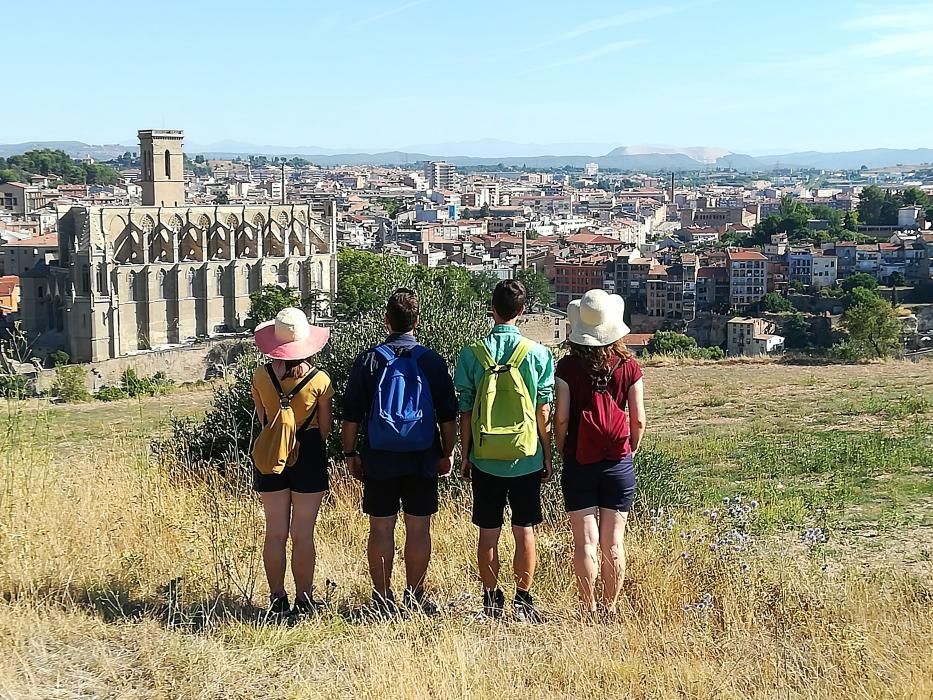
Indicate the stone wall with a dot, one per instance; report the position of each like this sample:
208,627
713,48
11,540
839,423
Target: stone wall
183,364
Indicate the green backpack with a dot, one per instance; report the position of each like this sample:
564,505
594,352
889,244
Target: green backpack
504,423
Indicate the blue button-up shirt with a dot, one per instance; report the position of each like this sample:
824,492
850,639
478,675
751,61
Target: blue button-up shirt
537,369
358,403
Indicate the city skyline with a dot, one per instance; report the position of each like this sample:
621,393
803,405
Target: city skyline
371,76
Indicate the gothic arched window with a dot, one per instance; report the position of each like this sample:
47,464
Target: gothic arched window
163,285
219,281
191,283
168,164
131,285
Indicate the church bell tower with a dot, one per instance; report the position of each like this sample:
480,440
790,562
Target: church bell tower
163,167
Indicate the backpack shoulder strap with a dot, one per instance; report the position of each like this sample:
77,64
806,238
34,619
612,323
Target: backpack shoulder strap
482,355
276,384
520,353
303,383
417,352
386,352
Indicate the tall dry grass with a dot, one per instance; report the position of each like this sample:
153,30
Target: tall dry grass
121,581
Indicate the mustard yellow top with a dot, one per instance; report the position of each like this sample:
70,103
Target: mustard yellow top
265,395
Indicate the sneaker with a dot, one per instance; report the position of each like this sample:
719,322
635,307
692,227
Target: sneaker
493,604
278,607
525,610
307,605
418,601
385,606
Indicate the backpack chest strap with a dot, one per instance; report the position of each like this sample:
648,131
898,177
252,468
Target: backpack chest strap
285,400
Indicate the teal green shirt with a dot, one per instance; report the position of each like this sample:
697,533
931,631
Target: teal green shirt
537,370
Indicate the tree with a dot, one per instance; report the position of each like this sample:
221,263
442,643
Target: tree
222,198
537,287
857,296
851,222
896,280
833,216
671,343
484,211
796,332
915,196
391,206
871,204
265,304
878,207
860,280
873,328
56,163
774,303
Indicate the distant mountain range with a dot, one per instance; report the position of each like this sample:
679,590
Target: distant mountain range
493,152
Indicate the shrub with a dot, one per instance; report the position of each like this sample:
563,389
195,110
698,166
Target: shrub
135,386
70,384
15,386
110,393
59,358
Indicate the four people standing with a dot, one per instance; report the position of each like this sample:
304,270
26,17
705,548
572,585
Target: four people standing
399,433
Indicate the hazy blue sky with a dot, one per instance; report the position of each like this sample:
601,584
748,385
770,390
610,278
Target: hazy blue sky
742,74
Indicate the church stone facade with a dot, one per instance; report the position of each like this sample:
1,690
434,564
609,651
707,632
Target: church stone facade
135,278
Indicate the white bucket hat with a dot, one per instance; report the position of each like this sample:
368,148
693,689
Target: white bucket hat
289,336
596,319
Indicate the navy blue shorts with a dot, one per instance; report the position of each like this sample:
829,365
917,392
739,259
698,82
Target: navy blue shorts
307,475
415,494
492,493
609,485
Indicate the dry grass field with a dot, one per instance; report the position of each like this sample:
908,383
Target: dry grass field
121,580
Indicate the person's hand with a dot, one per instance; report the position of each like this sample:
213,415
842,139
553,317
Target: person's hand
443,466
548,470
465,470
355,466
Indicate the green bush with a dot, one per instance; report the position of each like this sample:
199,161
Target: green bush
14,386
135,386
110,393
59,358
70,384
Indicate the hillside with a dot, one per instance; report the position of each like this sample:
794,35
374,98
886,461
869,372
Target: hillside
645,158
119,578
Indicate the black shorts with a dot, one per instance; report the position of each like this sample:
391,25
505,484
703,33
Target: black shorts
416,494
307,475
609,485
491,493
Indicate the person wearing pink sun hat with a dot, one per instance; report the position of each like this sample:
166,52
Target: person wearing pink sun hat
291,499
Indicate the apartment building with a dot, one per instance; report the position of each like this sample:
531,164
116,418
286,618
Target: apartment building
22,200
631,275
747,276
573,277
752,337
439,174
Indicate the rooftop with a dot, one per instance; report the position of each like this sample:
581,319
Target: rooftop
49,240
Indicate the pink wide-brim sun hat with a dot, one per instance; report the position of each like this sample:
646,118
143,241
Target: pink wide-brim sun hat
289,336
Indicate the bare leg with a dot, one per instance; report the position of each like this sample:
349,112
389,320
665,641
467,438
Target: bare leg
277,507
585,554
305,507
525,557
488,557
417,549
611,542
381,552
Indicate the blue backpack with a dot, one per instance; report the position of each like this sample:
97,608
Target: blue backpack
402,415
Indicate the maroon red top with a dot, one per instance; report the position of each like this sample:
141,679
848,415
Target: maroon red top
576,373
